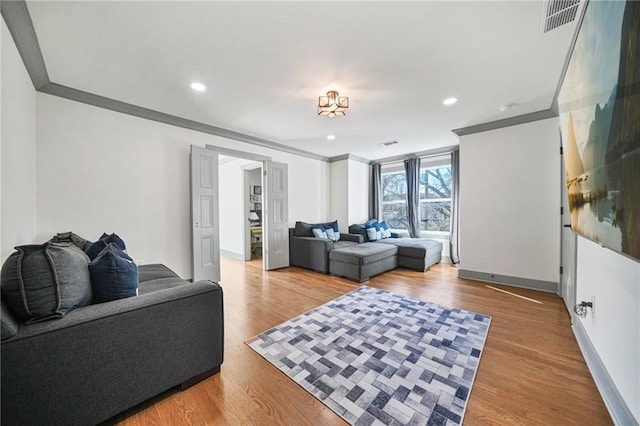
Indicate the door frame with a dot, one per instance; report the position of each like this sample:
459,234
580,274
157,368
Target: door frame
246,232
263,159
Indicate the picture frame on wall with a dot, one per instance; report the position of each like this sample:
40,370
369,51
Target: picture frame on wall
257,189
258,206
254,198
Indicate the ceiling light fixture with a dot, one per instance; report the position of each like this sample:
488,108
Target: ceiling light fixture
198,87
331,137
332,104
505,107
450,101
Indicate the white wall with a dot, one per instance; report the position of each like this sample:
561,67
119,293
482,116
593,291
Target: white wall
18,150
359,188
614,324
339,194
99,170
510,201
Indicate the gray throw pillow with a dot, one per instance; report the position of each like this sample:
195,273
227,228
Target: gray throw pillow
41,282
70,237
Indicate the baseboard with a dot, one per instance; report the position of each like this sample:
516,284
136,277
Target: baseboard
618,408
548,286
231,254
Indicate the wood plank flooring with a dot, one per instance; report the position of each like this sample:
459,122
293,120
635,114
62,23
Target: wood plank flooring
531,371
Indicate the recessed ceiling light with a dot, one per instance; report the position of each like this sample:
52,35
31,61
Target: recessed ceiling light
331,137
450,101
505,107
198,87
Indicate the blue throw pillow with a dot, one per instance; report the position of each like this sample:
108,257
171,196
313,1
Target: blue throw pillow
114,275
334,225
319,233
331,234
372,223
94,249
384,225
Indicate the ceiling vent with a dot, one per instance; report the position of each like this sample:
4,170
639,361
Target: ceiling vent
556,13
388,143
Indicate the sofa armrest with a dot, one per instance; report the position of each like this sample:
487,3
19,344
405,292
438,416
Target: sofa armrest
119,353
310,252
356,238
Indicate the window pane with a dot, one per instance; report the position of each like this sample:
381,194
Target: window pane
395,214
435,183
435,216
394,187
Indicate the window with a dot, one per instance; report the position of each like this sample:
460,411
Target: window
435,197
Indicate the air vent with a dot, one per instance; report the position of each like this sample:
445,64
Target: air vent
388,143
556,13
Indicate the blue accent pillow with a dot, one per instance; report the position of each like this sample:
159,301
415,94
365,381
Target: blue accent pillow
331,234
384,225
319,233
114,275
94,249
334,225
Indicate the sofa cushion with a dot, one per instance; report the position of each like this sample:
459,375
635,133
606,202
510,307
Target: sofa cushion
303,229
418,248
154,272
114,275
41,282
160,284
362,254
94,249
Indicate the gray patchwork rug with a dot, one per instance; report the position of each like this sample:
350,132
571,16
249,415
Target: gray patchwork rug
376,357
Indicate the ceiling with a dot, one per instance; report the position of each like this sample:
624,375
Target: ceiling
265,64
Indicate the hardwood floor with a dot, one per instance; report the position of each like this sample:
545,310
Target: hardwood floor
531,371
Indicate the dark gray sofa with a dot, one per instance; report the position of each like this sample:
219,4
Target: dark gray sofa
313,253
99,360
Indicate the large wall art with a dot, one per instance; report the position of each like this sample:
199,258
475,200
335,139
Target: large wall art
599,105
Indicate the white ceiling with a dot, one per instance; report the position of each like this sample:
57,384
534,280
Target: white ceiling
265,64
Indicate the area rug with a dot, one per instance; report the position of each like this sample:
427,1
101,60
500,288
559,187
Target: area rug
376,357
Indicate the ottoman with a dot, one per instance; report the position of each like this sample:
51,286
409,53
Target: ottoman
415,253
361,261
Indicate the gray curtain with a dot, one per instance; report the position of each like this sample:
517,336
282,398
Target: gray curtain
375,197
412,168
454,233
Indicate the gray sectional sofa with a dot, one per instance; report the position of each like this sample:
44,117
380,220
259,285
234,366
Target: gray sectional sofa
99,360
357,258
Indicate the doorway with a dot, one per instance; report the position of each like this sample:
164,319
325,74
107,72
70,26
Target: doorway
274,241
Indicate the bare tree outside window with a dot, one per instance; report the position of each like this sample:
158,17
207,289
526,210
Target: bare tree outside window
435,199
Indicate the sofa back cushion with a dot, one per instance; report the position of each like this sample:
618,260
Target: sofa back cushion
41,282
114,275
303,229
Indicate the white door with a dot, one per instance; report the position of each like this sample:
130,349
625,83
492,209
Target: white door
568,247
275,214
204,214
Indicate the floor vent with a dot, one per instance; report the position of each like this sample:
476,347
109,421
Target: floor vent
556,13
